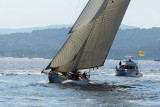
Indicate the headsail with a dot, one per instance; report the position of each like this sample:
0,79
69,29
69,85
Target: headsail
92,10
91,36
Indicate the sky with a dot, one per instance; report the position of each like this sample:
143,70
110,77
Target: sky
37,13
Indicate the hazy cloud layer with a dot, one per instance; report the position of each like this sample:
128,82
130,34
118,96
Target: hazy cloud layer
31,13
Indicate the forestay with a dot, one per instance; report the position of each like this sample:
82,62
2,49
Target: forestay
91,36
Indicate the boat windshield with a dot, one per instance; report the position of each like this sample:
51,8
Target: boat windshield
127,67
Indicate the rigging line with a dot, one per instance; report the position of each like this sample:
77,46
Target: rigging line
79,16
66,36
71,23
74,14
85,3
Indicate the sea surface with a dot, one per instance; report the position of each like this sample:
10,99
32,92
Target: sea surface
23,85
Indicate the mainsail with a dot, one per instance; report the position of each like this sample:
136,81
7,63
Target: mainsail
91,36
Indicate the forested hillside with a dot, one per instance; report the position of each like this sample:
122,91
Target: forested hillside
46,43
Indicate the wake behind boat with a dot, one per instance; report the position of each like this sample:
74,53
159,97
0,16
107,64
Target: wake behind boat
90,40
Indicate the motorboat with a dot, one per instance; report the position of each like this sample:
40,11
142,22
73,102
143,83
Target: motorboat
128,68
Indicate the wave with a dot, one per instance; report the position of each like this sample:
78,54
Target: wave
1,74
19,72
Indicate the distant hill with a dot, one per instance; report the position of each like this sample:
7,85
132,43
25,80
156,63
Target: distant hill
127,27
45,43
29,30
131,41
38,43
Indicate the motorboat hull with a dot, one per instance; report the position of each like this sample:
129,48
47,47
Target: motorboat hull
130,73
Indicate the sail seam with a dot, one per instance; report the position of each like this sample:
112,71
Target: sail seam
114,29
106,2
101,26
97,40
84,47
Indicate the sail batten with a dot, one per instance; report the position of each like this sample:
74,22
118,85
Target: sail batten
91,36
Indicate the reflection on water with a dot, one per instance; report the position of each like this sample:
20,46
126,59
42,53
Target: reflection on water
95,87
22,84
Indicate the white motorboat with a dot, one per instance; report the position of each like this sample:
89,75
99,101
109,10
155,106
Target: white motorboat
128,68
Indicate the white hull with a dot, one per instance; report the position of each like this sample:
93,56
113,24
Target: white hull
130,73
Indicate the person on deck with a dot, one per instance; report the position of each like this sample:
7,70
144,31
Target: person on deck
120,63
53,72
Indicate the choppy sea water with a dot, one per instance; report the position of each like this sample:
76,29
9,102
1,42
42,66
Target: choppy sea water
22,85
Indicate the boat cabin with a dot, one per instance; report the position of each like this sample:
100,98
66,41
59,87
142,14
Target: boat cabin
128,65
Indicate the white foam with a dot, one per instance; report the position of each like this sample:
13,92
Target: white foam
75,82
19,72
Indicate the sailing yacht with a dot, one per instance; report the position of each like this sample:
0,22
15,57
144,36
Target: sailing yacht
90,40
